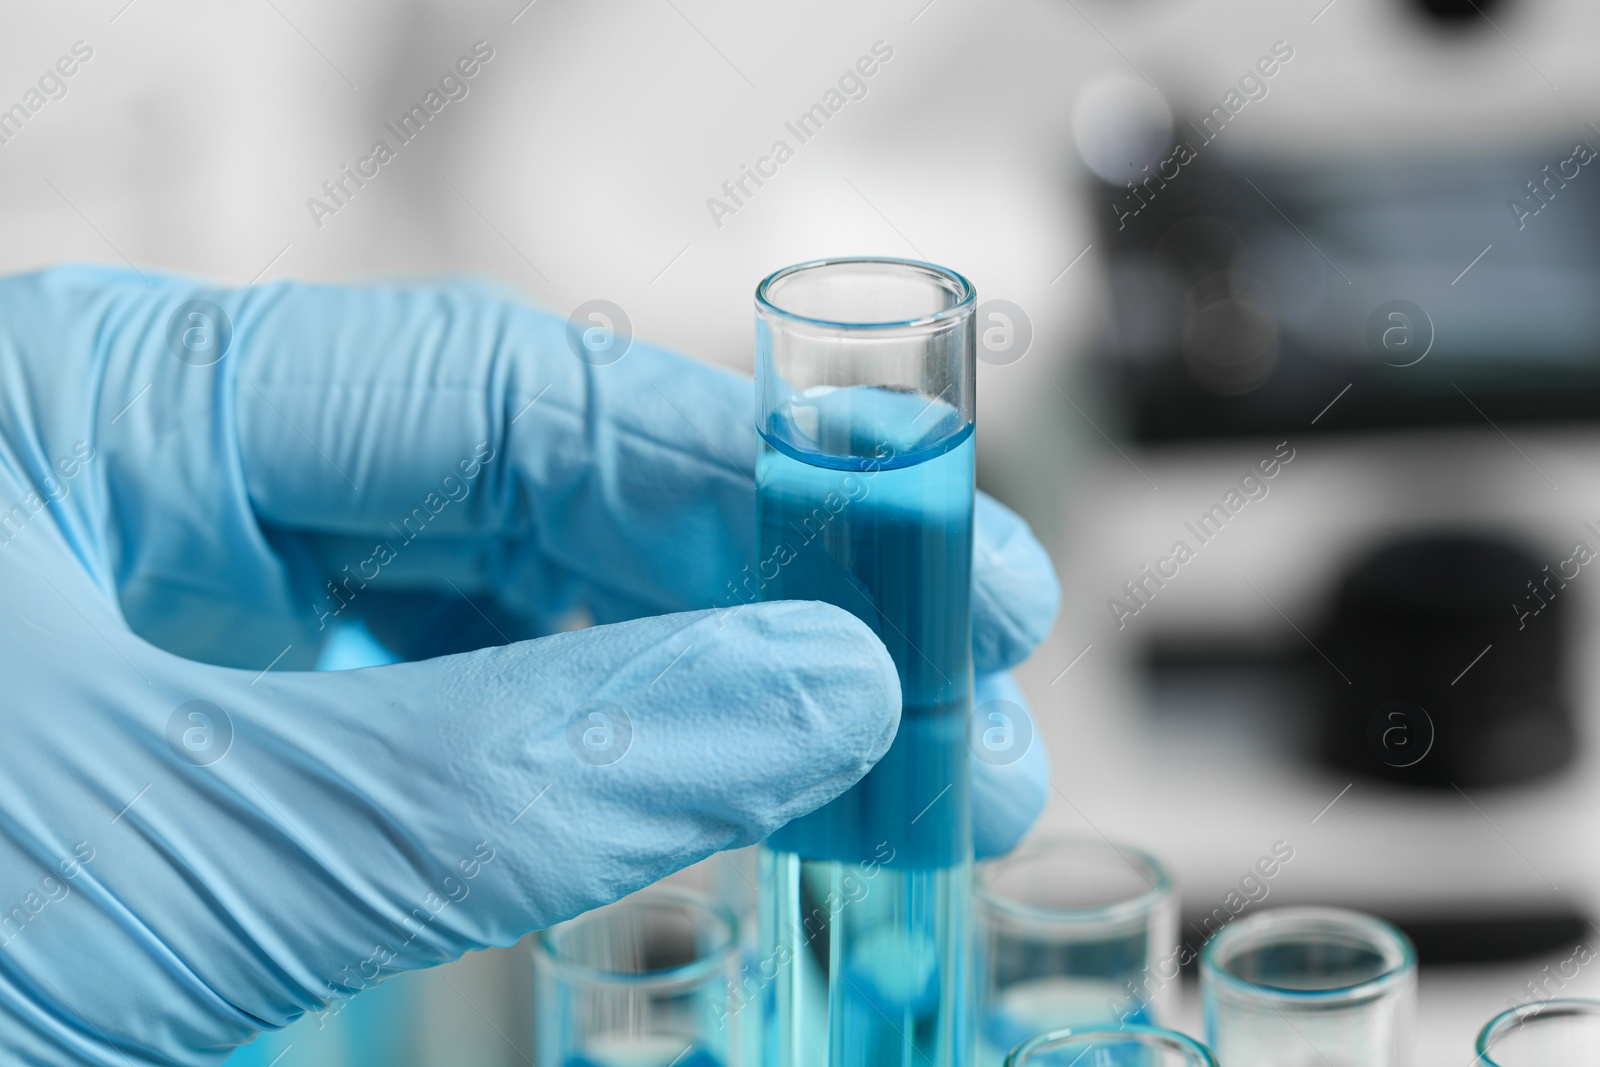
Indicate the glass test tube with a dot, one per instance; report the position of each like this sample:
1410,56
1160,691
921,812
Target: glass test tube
864,381
1310,986
1126,1046
1073,932
1542,1034
646,982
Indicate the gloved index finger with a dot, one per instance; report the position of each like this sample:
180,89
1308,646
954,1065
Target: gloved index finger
389,413
438,436
235,434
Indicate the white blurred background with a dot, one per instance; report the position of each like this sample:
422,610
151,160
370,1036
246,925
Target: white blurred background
579,166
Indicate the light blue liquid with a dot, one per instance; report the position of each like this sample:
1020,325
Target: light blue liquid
865,902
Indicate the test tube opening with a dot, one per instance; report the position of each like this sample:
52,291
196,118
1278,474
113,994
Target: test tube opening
1300,953
659,937
1561,1030
1145,1046
1062,883
864,363
865,293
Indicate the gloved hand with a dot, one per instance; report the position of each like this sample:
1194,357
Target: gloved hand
199,840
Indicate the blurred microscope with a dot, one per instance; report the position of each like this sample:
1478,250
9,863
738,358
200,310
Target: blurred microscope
1400,608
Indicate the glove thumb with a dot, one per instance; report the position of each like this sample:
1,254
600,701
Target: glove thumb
324,831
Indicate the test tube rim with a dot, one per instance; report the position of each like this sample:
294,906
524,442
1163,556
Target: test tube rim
1135,907
688,974
966,294
1515,1018
1379,933
1153,1034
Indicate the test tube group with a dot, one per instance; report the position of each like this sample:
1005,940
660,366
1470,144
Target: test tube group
889,951
656,981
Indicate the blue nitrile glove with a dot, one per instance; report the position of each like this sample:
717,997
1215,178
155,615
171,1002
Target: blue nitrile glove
198,839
